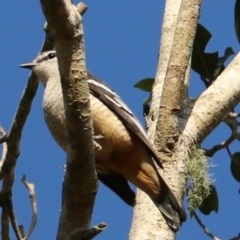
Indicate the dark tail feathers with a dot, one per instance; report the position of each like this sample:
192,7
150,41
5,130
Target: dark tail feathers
172,211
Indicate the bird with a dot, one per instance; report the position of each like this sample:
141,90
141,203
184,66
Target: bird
125,154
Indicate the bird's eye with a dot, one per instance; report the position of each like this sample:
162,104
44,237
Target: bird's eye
51,55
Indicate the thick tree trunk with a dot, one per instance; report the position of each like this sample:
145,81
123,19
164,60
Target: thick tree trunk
169,100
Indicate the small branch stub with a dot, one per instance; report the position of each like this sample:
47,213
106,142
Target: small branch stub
88,234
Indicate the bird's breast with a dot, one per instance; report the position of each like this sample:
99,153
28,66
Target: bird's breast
114,136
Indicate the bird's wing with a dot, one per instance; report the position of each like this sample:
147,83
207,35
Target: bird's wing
119,185
105,94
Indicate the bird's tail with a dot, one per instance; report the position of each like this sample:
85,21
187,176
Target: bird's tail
171,209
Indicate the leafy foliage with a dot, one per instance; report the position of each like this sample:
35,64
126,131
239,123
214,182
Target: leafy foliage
235,166
237,19
146,85
202,193
208,65
210,203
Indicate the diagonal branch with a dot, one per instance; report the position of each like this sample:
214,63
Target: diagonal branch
214,103
204,227
225,144
208,233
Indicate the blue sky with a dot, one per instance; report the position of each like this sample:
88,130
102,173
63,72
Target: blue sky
122,42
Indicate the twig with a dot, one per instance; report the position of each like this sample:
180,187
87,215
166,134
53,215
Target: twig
214,149
234,135
229,152
233,115
17,230
82,8
88,234
3,138
204,227
207,231
235,238
14,219
13,139
5,147
5,223
32,196
21,228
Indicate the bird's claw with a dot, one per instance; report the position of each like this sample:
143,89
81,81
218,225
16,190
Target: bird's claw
96,144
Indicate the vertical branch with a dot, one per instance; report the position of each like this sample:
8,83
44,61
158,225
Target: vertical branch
80,183
172,96
180,20
5,223
167,36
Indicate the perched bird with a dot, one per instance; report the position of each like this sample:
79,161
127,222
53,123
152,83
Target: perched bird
125,155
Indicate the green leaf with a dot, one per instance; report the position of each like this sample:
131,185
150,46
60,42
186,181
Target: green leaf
235,166
210,203
203,63
202,38
146,107
237,19
145,84
228,52
220,66
206,64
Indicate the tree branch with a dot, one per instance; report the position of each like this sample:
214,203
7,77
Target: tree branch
225,144
5,147
65,25
214,103
88,234
32,196
5,223
204,227
12,139
172,95
14,220
208,233
179,26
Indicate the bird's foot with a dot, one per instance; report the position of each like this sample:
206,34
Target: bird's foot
96,144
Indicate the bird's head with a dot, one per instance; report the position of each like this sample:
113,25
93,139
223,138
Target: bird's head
45,66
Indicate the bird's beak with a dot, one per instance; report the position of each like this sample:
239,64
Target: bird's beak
28,65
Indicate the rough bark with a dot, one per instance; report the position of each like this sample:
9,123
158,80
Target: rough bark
196,120
80,184
169,98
